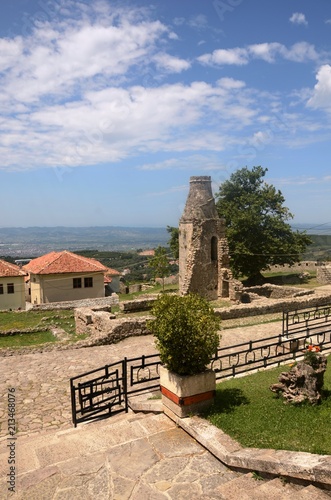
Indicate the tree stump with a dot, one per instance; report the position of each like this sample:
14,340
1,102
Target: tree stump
302,383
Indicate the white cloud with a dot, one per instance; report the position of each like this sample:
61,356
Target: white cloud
111,123
235,56
299,52
265,51
321,97
198,162
230,83
73,92
303,180
198,22
298,18
58,60
170,63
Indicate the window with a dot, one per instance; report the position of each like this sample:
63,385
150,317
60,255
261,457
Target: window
77,282
88,282
213,253
10,287
1,288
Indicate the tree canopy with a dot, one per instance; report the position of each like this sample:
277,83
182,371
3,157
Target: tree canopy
174,240
160,264
258,231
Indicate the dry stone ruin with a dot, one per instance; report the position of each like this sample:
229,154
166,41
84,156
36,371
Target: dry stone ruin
203,247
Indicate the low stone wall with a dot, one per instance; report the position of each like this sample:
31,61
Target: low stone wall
277,292
142,304
102,303
103,328
305,265
270,306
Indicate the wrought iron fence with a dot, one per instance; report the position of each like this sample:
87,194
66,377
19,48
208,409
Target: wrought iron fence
105,391
296,321
254,355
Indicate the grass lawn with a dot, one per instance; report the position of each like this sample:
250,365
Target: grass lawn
249,412
26,339
28,320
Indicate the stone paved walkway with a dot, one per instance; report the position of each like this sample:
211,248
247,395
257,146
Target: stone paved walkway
41,380
137,457
131,456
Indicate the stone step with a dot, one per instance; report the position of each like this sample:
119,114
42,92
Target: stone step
312,493
251,487
248,487
92,454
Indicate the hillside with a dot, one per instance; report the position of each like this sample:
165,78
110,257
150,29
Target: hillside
34,241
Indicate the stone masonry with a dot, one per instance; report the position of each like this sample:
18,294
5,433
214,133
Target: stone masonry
203,247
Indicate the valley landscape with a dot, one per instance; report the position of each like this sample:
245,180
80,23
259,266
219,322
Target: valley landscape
34,241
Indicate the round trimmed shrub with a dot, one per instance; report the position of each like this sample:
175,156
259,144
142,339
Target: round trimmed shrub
186,332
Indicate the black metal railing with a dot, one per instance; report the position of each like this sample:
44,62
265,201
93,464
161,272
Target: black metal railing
104,392
273,351
299,319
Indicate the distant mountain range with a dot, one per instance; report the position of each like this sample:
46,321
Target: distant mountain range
314,228
34,241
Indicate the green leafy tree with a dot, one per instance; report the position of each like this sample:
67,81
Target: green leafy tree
186,332
257,229
174,240
160,264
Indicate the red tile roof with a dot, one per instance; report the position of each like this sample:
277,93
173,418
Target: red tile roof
63,262
10,270
112,272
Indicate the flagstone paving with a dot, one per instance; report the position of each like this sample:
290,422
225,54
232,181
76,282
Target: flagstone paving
41,379
130,456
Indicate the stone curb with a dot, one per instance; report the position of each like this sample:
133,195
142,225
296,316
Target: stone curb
292,464
296,465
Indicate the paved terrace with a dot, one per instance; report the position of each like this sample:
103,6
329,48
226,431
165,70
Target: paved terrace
126,457
41,379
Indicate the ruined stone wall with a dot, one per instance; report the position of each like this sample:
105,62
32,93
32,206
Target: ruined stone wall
270,306
324,275
103,328
300,267
104,302
276,292
142,304
203,248
198,271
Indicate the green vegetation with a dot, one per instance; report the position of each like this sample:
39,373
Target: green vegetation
32,322
139,267
320,248
249,412
157,288
257,229
24,320
186,332
160,264
291,279
26,339
174,240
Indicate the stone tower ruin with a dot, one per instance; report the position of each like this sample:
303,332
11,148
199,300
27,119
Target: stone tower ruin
203,248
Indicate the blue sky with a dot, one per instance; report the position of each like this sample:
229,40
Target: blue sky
107,108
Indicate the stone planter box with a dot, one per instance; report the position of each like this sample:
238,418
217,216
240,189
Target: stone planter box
187,394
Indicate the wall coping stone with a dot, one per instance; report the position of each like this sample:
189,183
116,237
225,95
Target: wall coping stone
292,464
